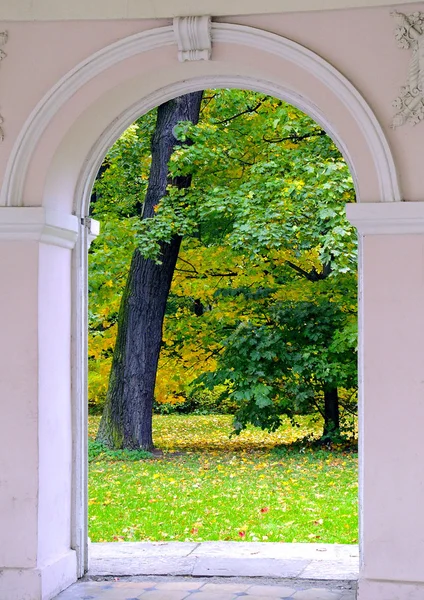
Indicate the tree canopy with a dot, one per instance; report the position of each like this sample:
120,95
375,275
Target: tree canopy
262,307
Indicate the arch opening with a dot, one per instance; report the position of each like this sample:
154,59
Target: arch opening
54,161
87,184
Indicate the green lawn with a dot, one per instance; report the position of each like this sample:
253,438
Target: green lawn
208,486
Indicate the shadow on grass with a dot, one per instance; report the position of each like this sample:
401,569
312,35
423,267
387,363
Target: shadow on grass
318,448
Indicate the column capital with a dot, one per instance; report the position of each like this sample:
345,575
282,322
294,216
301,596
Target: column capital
386,218
36,223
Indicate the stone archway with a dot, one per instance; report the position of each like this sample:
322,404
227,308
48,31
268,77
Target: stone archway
329,98
45,207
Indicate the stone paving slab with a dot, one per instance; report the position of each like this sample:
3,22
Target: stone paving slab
332,552
136,565
107,549
248,567
231,559
331,569
218,571
198,589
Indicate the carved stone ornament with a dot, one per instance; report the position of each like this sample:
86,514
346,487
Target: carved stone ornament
409,34
3,40
193,35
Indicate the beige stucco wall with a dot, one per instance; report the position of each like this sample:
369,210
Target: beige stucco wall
36,560
19,483
32,10
393,297
39,54
55,428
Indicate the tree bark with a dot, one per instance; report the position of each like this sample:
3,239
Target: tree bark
331,413
127,418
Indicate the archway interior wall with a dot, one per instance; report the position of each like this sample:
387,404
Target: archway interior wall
36,557
54,389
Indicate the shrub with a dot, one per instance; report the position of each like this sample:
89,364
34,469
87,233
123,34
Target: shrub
200,401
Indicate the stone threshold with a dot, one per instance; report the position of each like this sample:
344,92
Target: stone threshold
317,562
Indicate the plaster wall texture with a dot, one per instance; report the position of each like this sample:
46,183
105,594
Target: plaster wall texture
41,583
39,54
55,430
18,407
383,590
36,560
30,10
392,411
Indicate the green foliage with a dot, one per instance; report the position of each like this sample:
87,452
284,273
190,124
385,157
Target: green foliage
267,179
282,365
98,451
264,294
201,401
119,190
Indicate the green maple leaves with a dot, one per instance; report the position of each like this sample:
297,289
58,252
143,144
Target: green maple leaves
264,212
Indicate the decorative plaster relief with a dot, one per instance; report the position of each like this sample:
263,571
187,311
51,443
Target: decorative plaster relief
3,40
193,36
409,34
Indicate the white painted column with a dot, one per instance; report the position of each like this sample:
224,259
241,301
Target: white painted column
391,325
36,559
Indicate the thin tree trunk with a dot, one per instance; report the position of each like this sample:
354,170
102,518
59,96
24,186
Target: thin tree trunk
331,395
331,413
127,418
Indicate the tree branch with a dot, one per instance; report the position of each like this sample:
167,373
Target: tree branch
313,274
194,273
209,100
244,112
230,274
321,412
296,138
301,271
194,270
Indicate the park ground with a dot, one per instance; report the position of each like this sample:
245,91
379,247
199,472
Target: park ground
201,484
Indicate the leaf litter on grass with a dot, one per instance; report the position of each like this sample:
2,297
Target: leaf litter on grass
207,486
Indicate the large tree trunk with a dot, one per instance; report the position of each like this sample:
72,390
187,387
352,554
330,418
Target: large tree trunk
331,413
127,416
